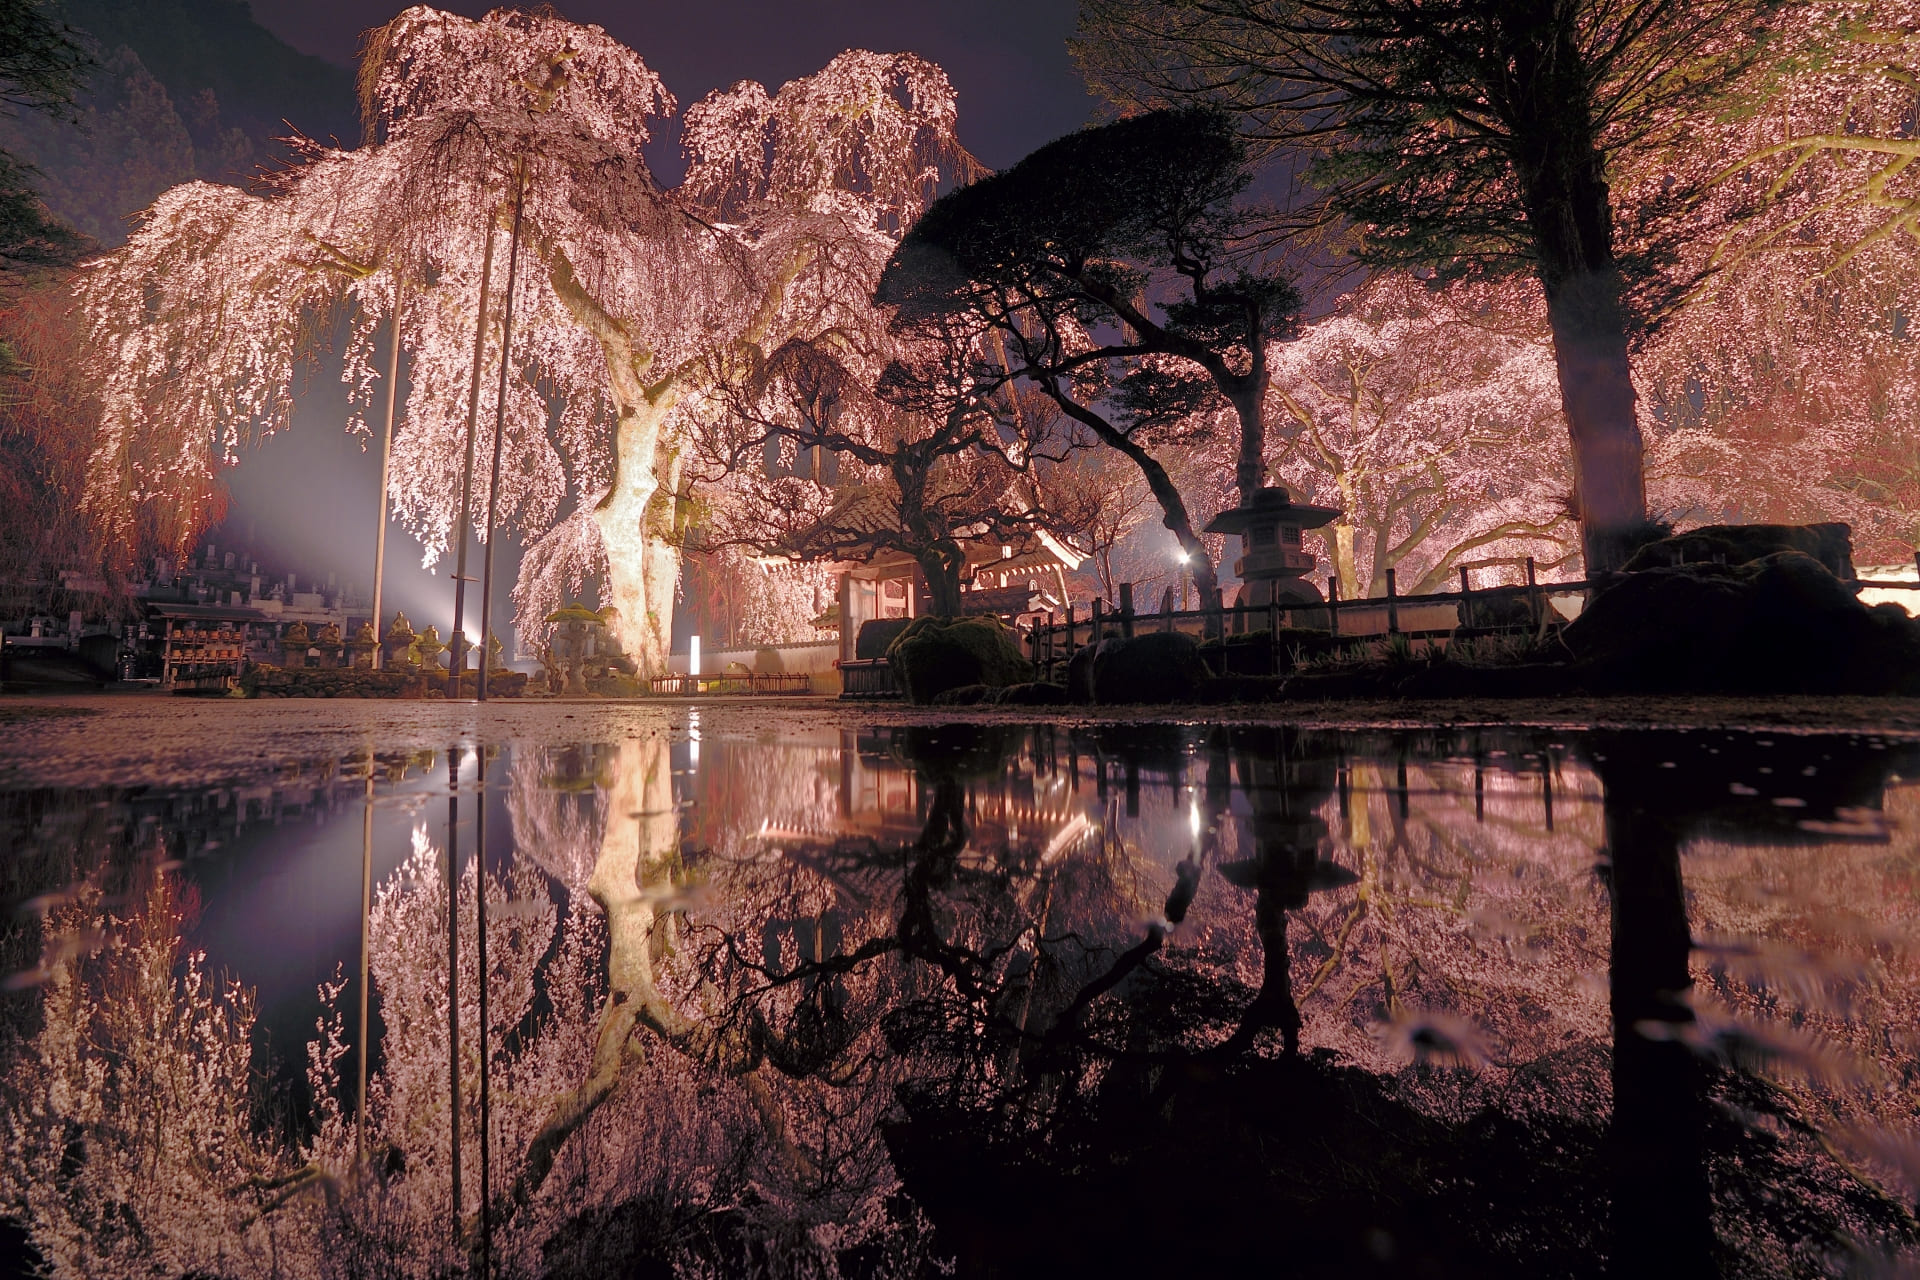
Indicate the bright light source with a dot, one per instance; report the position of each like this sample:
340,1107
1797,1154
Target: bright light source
1183,557
1193,818
693,656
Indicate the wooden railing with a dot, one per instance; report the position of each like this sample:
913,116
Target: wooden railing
1510,609
867,678
1475,611
739,682
1517,609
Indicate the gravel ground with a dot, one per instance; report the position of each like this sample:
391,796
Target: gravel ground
125,739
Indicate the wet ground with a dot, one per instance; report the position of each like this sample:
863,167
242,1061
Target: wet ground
786,988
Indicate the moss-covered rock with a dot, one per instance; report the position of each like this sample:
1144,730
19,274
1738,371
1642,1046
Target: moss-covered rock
1036,694
933,655
1255,653
1080,675
1830,543
966,695
1160,666
876,636
1780,624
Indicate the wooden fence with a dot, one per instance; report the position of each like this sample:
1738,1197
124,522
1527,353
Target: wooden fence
1469,611
739,682
1519,609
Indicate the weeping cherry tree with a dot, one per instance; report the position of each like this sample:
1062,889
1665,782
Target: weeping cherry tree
629,299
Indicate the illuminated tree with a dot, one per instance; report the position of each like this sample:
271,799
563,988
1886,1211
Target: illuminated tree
629,297
1431,418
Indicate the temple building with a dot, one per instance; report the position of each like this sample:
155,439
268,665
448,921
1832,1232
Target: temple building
1017,579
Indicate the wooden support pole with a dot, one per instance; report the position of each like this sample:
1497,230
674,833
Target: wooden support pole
1466,592
1126,610
1533,594
1393,608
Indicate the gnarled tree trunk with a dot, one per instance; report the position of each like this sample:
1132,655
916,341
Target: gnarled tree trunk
642,569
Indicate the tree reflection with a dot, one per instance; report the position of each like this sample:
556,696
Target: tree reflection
1030,1000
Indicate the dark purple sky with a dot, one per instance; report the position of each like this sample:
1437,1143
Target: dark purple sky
1007,58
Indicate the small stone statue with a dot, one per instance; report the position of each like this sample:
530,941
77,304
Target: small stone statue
293,644
427,649
362,645
398,643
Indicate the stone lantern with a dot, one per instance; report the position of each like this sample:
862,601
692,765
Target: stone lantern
1271,563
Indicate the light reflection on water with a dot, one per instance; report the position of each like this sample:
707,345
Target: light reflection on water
1006,999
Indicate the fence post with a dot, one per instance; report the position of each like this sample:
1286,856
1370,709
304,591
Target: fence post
1333,603
1126,610
1533,594
1050,641
1466,599
1097,611
1393,610
1216,622
1273,634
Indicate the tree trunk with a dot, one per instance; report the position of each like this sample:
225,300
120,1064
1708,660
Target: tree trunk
641,569
1571,210
1250,468
1344,570
1596,391
1159,483
941,563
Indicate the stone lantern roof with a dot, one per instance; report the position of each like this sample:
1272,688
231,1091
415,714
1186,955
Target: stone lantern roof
1273,565
1271,506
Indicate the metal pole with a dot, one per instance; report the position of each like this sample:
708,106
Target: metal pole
386,461
499,432
456,656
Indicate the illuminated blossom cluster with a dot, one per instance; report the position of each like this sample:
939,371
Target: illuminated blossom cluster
1431,418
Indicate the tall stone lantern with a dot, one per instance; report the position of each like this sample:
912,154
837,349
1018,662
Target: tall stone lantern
1272,564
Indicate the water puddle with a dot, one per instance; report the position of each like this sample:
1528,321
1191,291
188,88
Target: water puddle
996,1000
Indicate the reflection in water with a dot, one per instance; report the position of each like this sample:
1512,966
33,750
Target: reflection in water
1000,1000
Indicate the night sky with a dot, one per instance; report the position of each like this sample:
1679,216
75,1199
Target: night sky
1007,58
